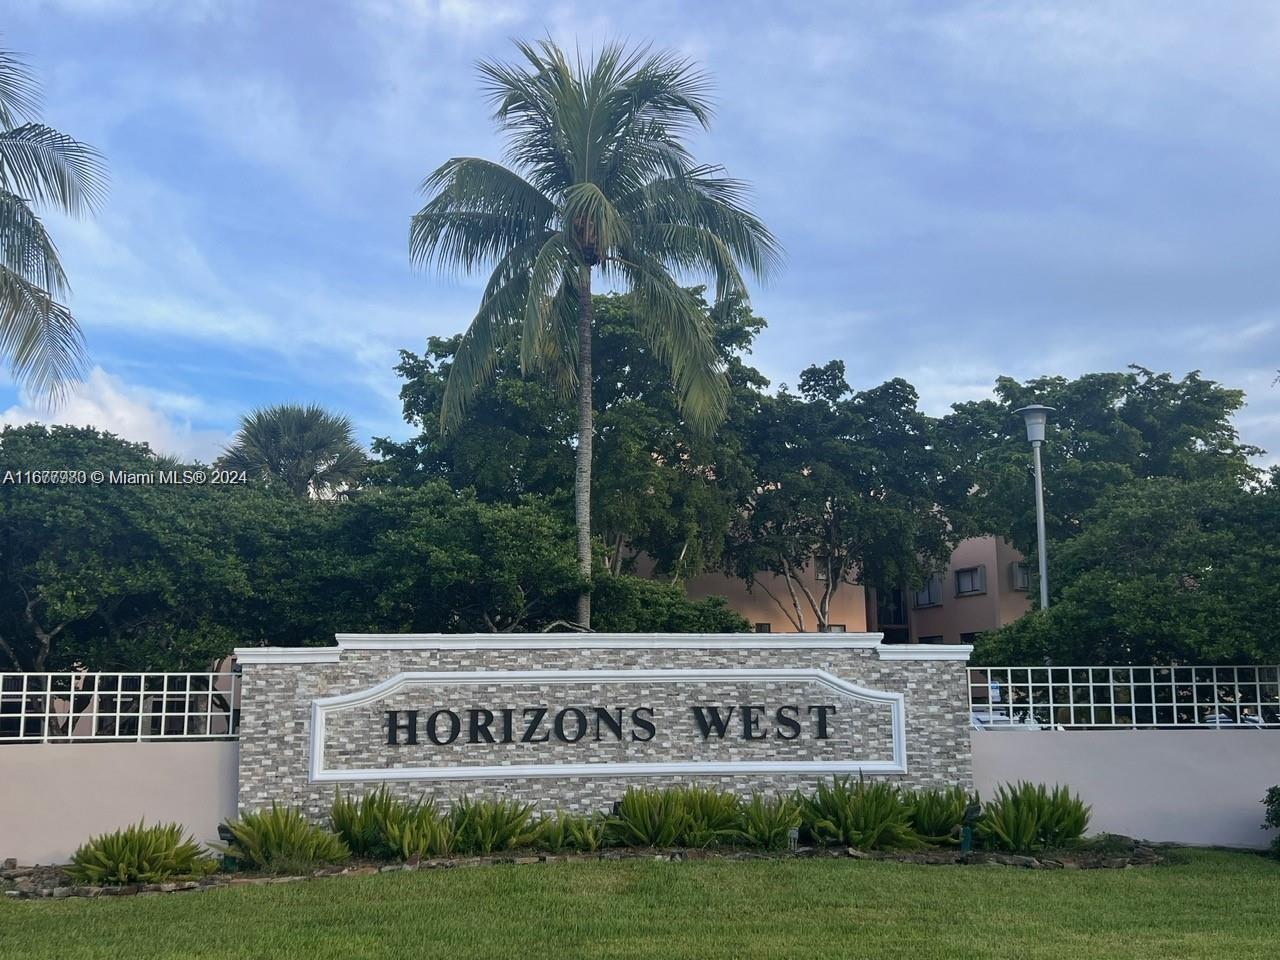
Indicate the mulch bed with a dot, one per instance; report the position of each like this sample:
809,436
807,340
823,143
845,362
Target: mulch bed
1107,853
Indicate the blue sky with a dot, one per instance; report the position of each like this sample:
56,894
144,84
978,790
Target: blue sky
963,189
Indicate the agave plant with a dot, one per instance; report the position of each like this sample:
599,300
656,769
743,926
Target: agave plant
1027,816
140,854
488,826
712,817
281,840
861,814
561,831
768,823
938,815
649,818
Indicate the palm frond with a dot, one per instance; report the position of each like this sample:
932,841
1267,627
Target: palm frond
539,337
39,336
26,247
44,166
19,93
680,334
476,213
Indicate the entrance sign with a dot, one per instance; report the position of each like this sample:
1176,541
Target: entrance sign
483,724
573,720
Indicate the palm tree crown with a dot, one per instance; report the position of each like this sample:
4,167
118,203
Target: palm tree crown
598,178
38,167
309,450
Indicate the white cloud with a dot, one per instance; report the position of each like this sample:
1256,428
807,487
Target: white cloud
159,418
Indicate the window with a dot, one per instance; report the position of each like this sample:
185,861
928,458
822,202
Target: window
971,638
930,595
933,639
764,628
971,581
1020,576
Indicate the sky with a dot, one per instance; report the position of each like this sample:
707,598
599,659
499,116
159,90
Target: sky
963,190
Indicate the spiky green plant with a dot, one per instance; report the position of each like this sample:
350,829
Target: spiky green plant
413,831
39,168
768,822
867,815
937,815
649,818
140,854
561,832
490,826
281,840
358,821
600,180
713,817
1028,816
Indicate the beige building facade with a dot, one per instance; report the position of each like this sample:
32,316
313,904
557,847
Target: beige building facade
984,587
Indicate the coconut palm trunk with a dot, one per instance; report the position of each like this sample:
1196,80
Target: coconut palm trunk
586,438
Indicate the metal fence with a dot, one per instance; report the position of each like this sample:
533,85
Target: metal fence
1124,697
76,707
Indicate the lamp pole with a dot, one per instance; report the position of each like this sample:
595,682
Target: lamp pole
1035,417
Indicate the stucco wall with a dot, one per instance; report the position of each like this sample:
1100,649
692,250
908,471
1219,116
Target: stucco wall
55,796
277,719
1184,786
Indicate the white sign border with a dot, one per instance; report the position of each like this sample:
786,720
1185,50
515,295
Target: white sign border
323,706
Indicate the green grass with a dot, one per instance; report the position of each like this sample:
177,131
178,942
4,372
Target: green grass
1212,904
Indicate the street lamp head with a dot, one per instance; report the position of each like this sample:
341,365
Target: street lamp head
1035,416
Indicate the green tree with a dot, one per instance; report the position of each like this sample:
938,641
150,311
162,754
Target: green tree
600,179
1107,429
306,449
850,483
662,489
113,576
39,167
1163,570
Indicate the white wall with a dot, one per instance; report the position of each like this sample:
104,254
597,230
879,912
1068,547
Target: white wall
1185,786
55,796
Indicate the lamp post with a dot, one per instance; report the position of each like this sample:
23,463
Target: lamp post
1035,416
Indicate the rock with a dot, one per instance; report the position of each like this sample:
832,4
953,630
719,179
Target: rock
857,854
526,860
15,894
61,893
10,863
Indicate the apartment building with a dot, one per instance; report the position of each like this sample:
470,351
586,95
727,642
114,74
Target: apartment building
985,586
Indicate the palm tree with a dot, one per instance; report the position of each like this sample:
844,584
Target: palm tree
38,167
598,179
309,450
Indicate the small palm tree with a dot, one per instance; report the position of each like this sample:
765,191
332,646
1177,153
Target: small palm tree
39,166
599,179
309,450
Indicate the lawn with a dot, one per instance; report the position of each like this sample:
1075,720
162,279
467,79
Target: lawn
1211,904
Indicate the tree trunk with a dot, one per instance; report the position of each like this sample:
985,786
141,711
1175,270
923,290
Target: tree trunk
586,432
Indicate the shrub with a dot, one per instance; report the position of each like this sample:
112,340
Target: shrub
649,818
357,822
937,816
413,831
768,823
282,840
487,826
867,816
712,817
1028,816
140,854
566,831
1272,820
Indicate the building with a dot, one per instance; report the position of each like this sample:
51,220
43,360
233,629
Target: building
986,585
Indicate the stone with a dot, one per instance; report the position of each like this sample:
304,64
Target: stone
10,863
857,854
61,893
